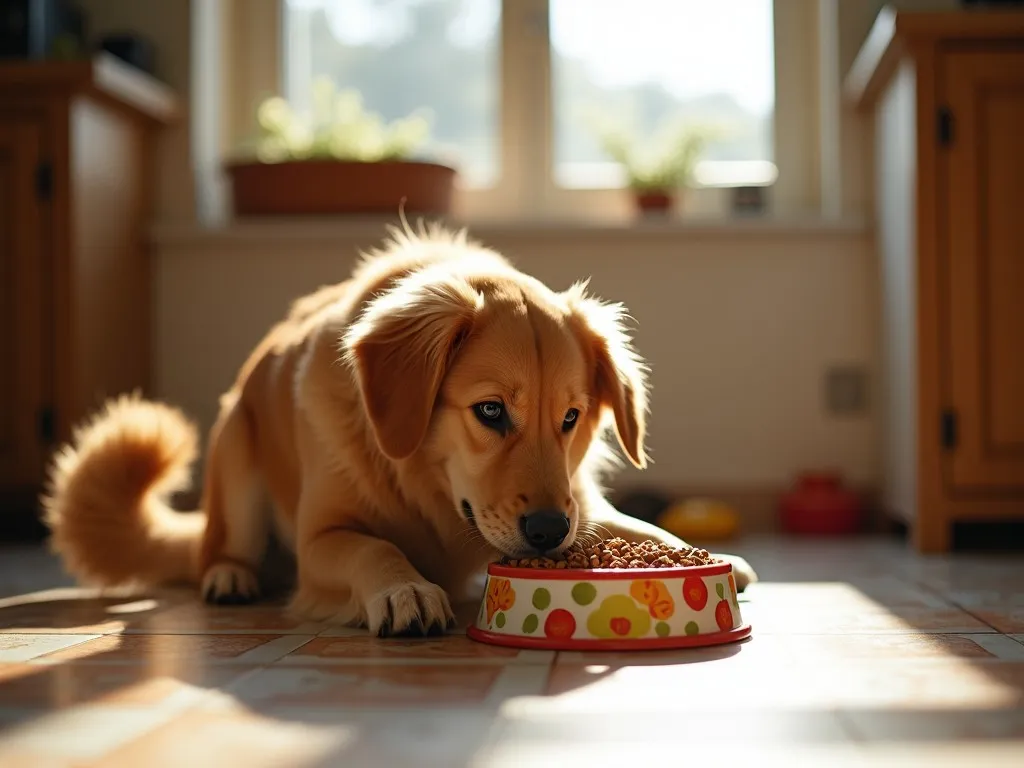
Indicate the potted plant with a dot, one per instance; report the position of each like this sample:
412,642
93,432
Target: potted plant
341,159
657,176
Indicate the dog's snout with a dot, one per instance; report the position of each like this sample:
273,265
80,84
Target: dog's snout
544,529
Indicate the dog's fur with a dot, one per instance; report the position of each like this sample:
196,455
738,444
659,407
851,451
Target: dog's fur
355,418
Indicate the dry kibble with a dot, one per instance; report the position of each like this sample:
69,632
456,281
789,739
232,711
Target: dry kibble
618,553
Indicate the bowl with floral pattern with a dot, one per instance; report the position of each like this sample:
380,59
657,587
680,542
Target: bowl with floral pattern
609,609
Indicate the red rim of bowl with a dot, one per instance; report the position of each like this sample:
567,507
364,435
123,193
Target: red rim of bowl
605,574
589,644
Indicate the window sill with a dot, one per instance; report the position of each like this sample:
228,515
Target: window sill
289,230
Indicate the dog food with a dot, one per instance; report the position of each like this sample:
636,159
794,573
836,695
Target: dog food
619,553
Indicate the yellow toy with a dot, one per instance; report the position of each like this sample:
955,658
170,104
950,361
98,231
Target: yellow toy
700,520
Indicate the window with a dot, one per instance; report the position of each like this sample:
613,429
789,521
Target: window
520,90
404,56
646,66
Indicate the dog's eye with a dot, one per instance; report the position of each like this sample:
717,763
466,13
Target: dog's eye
570,419
489,413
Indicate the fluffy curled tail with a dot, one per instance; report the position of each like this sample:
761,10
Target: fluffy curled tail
107,498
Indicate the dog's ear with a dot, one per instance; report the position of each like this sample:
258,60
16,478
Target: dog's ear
401,347
619,374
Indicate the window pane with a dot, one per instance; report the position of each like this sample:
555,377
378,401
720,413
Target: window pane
403,56
640,65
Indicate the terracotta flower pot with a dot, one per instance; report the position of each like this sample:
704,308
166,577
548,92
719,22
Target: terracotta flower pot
340,187
654,203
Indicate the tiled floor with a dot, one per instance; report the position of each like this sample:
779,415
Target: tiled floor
862,653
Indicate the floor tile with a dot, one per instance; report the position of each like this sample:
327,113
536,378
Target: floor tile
986,598
75,616
851,593
829,649
524,722
78,733
35,686
926,684
233,738
967,573
25,759
409,737
168,649
768,618
15,648
818,650
198,619
465,615
453,649
388,686
863,652
1009,620
948,754
937,725
1000,646
897,684
517,754
754,650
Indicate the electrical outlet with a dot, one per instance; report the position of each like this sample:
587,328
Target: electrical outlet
846,390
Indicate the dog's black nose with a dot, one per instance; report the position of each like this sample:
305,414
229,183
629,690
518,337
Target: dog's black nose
545,529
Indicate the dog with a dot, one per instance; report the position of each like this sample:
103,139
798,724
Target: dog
434,412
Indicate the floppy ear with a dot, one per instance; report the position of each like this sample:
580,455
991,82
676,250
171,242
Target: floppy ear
401,348
619,376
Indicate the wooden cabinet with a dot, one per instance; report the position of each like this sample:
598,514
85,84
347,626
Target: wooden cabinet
24,390
75,140
946,93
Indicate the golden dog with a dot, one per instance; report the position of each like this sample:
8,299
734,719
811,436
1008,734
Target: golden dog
437,410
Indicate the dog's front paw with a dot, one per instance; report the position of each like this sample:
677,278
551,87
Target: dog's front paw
227,583
415,609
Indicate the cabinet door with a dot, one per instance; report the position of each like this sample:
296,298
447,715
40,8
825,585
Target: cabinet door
983,194
23,341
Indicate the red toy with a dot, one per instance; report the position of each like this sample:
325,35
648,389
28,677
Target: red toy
821,505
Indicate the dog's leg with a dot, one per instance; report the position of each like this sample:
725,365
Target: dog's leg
237,519
351,578
608,521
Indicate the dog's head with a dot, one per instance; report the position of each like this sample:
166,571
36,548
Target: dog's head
501,385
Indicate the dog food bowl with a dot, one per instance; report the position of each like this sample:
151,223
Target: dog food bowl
609,609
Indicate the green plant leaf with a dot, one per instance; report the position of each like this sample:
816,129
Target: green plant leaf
339,128
663,164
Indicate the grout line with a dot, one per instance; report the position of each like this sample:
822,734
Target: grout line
274,650
403,659
953,602
300,631
973,615
40,658
849,726
1003,647
515,681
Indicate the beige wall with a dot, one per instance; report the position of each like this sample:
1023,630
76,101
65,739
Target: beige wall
738,329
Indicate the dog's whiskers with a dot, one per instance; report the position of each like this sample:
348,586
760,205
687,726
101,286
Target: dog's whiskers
589,533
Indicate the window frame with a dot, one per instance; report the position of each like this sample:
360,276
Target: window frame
805,126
